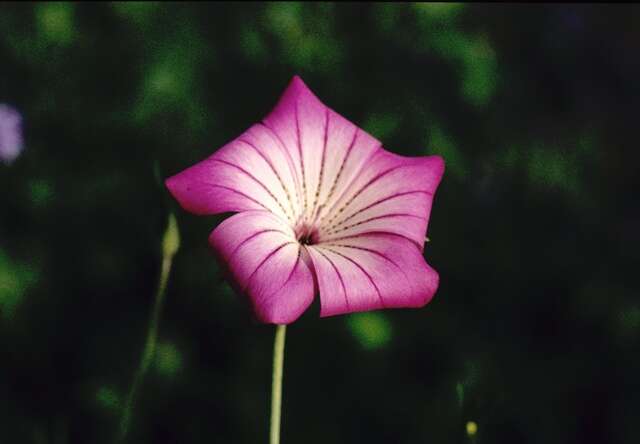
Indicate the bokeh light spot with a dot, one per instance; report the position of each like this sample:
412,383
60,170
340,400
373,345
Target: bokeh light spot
108,398
479,78
138,12
433,11
553,168
168,359
15,280
371,329
629,320
40,193
252,45
56,22
440,143
460,394
305,37
472,428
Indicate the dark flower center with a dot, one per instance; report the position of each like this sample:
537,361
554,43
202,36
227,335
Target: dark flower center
306,234
306,239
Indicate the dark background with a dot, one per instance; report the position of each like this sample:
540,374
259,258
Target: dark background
534,333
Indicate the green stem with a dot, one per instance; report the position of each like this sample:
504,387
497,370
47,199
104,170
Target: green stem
170,246
276,387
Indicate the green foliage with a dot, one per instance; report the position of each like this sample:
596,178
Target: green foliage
460,393
172,79
479,75
471,55
432,12
551,167
372,329
108,398
439,143
40,193
629,321
168,359
305,35
15,280
382,125
56,22
139,12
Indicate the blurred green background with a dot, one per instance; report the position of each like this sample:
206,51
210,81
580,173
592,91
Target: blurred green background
534,333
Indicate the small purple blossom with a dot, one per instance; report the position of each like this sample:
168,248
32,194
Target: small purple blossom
11,142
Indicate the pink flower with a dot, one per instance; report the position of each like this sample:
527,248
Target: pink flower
321,207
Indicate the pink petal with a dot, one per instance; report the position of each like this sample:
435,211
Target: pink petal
371,271
393,194
327,150
250,173
267,262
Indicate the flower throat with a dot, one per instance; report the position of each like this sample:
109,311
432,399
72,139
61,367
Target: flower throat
306,234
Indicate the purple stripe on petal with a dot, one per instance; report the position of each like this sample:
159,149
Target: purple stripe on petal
300,154
412,180
270,163
381,201
341,168
379,271
282,287
377,253
260,251
252,177
340,279
322,165
372,234
253,236
361,268
338,228
266,259
367,185
290,162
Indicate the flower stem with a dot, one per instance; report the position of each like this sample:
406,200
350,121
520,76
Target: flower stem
170,244
276,387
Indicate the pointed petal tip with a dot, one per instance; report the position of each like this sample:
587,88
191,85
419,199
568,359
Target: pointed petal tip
299,88
438,160
432,288
181,188
387,267
171,183
438,164
430,285
286,310
297,80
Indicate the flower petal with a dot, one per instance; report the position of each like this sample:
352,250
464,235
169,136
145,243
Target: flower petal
264,258
250,173
371,271
393,194
326,149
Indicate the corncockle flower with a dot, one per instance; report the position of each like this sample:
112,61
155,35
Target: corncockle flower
321,207
11,143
